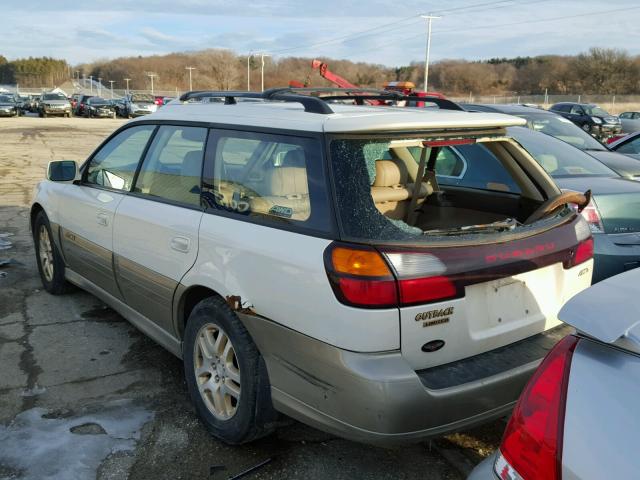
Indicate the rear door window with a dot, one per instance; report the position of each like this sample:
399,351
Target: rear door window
274,179
172,168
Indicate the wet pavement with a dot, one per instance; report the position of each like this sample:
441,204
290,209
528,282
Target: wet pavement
83,394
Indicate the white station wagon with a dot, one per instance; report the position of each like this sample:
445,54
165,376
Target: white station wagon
385,274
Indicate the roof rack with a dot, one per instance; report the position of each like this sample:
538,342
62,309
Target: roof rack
319,103
310,104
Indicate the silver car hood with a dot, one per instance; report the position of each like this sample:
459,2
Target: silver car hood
608,311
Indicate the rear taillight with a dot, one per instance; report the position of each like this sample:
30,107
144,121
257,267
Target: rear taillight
582,252
364,277
360,277
591,214
531,448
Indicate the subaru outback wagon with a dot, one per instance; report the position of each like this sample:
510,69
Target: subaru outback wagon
323,261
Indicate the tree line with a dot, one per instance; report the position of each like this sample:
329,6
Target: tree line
34,72
598,71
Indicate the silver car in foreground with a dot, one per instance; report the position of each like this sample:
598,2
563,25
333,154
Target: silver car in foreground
577,417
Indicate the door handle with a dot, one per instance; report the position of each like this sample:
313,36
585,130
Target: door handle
103,219
180,244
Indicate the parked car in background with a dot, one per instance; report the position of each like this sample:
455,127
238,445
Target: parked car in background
630,122
8,106
138,104
577,417
118,106
166,100
628,145
402,307
81,103
614,211
54,104
99,107
159,100
563,129
591,118
24,103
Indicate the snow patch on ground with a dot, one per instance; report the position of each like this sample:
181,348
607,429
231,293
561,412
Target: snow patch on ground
46,449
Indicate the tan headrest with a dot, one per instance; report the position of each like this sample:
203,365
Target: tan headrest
286,181
390,173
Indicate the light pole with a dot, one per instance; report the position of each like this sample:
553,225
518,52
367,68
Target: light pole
190,84
91,83
111,82
426,62
249,71
99,86
262,55
127,80
151,76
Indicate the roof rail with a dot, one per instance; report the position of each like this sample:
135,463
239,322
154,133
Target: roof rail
360,95
310,104
442,103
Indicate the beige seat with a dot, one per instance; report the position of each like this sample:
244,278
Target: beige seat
288,190
391,191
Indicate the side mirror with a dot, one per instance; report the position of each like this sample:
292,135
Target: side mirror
62,171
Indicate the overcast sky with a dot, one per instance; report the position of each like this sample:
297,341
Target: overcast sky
381,31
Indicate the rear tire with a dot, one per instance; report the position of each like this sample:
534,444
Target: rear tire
226,375
50,263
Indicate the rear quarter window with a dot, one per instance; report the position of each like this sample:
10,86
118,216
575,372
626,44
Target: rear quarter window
271,179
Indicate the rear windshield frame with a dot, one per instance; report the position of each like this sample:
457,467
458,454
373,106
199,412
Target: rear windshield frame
563,216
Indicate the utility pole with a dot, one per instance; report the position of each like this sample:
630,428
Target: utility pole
262,55
112,82
91,83
151,76
99,86
127,80
249,71
426,62
190,69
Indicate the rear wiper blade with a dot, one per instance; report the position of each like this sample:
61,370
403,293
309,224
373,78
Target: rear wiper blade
499,226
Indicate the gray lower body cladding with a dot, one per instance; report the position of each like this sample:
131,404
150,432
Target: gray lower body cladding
374,397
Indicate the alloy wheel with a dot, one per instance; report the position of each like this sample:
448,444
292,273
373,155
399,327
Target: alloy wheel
217,371
46,253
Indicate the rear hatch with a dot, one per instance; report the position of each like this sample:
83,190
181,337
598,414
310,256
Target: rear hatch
467,270
501,293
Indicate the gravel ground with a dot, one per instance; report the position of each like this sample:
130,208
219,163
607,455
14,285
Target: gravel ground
84,395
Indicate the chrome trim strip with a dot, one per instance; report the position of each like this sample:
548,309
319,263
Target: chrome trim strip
139,321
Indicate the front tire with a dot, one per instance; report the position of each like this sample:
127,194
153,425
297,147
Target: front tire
586,127
50,263
226,375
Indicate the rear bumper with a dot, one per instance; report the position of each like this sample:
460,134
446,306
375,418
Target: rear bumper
377,397
614,253
484,470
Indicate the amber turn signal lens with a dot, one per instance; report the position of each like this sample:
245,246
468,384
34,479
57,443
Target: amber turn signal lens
359,262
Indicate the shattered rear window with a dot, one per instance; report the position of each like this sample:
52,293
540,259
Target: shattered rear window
354,171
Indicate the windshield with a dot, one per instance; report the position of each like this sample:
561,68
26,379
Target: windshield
142,98
97,100
558,158
6,99
596,111
54,96
562,129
